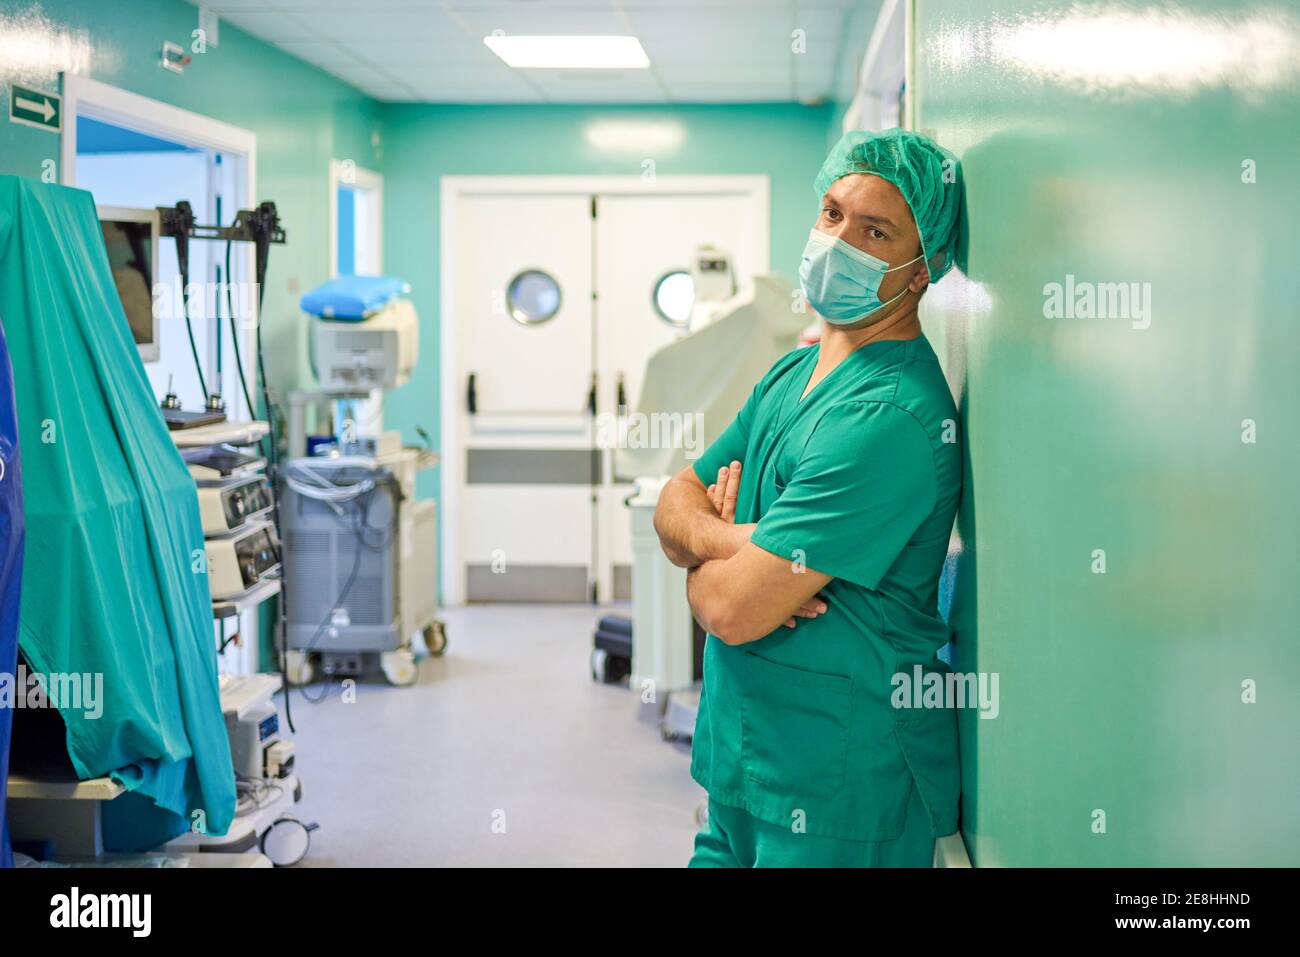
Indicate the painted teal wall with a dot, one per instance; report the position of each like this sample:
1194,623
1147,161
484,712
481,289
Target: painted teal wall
423,143
302,117
1123,692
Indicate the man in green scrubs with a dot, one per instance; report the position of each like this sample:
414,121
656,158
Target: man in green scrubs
815,529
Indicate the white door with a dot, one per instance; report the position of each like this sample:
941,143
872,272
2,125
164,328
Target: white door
522,307
551,309
640,240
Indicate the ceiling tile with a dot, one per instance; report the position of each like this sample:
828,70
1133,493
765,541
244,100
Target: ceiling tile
700,50
457,90
322,53
723,92
414,54
361,74
526,20
637,86
221,6
692,71
332,6
270,24
399,24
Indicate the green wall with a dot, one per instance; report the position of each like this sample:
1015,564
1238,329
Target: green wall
302,117
1123,691
425,142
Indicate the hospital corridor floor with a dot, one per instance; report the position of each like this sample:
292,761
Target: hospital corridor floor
505,753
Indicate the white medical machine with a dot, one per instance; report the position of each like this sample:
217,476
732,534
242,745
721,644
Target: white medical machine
714,283
239,563
360,551
711,371
225,507
266,783
378,352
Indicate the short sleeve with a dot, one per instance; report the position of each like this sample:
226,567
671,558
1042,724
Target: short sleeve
730,446
863,485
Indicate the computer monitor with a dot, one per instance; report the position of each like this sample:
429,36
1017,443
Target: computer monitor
131,238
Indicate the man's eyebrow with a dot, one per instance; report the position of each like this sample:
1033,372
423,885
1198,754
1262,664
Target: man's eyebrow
828,198
877,219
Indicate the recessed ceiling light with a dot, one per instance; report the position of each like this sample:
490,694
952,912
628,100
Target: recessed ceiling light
581,53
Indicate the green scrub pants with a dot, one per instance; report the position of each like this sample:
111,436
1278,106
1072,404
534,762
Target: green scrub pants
735,838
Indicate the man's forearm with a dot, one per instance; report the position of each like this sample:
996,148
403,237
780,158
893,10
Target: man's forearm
748,596
721,605
689,528
701,582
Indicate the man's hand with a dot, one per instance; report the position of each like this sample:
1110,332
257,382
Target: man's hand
723,492
690,525
814,606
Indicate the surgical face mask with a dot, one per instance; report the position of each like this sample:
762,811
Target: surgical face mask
841,281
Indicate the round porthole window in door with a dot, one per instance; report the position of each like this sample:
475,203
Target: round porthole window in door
674,297
533,297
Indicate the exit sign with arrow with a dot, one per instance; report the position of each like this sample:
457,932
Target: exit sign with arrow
35,108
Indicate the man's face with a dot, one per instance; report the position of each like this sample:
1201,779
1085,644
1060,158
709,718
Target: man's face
869,212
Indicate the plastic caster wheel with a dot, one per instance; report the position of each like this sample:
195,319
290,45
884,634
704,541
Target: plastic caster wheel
299,668
667,735
399,667
287,841
435,639
599,659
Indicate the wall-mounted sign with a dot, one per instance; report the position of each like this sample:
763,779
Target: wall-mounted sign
36,108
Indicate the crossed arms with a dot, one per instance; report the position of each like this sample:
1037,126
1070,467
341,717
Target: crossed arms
738,591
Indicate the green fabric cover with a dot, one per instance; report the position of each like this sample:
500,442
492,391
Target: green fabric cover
115,579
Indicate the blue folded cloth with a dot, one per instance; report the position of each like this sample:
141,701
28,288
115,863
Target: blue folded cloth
353,297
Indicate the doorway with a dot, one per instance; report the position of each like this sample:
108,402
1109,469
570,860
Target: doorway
132,151
556,290
356,220
356,203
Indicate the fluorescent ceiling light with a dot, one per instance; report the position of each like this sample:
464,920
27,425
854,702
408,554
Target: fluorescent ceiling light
569,53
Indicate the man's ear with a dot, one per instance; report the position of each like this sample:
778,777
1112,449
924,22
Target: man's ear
920,278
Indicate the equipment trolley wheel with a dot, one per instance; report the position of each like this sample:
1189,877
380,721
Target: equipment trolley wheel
299,668
599,663
399,667
435,638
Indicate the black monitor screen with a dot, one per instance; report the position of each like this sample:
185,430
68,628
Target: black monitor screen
129,248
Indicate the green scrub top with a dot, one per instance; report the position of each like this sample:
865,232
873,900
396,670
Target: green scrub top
859,480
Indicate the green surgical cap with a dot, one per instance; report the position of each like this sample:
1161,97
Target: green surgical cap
928,176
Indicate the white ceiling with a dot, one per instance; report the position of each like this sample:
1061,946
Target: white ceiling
701,51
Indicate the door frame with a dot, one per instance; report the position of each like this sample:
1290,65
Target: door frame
371,182
454,191
83,96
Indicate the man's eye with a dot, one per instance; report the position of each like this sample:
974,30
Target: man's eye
876,234
830,213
